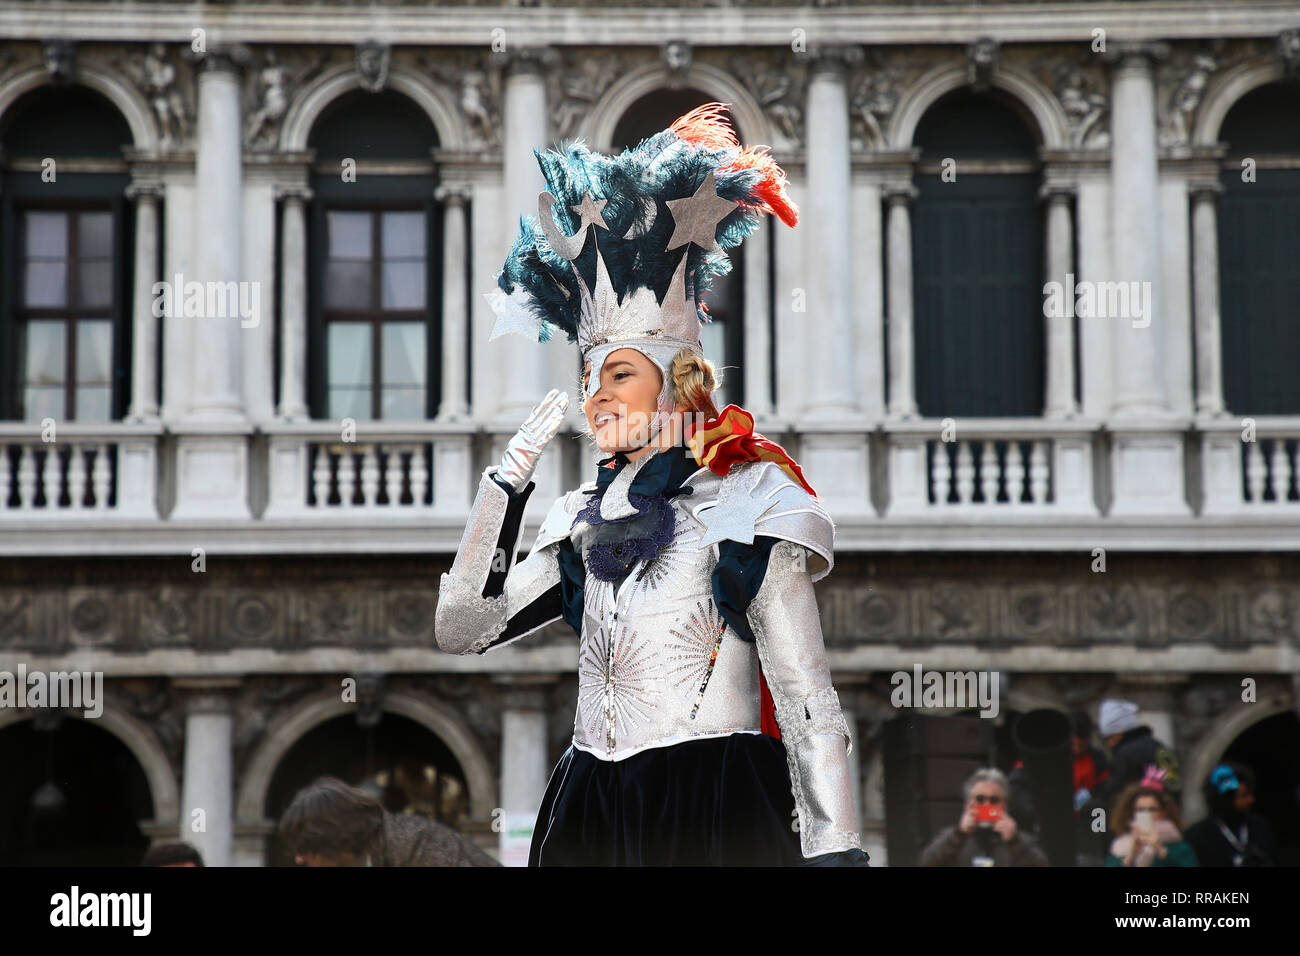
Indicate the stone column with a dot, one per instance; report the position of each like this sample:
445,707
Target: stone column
1205,298
1059,401
898,239
144,344
521,365
758,317
293,302
1092,235
1147,448
1138,383
455,303
218,224
790,302
868,297
207,785
525,765
212,446
832,395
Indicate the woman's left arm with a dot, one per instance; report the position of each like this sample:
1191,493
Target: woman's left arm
788,635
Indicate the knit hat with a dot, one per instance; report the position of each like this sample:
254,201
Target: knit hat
1116,717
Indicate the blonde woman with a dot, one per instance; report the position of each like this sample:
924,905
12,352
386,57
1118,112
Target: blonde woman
707,730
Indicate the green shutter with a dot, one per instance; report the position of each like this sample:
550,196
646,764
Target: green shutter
1259,288
976,267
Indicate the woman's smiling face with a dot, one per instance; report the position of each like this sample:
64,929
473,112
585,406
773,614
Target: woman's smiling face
620,412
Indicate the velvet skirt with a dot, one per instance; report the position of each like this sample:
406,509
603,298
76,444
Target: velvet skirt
718,801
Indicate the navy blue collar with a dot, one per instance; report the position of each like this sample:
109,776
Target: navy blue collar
663,474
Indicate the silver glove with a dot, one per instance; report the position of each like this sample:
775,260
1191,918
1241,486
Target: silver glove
526,447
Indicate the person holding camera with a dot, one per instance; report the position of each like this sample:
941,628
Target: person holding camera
1147,821
1232,835
986,835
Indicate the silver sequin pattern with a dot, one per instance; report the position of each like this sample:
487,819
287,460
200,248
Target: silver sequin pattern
657,663
788,636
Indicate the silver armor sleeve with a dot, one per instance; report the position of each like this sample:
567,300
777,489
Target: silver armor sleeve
788,635
466,622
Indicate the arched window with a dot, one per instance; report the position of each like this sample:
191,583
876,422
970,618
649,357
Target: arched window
1259,253
722,338
374,261
977,260
64,234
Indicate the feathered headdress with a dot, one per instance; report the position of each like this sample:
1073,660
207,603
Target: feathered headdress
623,247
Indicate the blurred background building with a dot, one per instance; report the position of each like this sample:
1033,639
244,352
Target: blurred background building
241,521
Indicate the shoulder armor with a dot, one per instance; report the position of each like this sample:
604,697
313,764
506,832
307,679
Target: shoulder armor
792,513
559,520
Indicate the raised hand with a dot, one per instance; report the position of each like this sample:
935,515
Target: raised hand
526,447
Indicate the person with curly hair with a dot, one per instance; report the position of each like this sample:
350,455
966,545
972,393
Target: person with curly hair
1149,826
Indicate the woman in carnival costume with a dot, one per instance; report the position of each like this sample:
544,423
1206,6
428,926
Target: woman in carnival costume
707,730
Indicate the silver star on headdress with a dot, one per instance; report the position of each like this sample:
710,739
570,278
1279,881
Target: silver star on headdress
513,314
736,513
696,218
591,211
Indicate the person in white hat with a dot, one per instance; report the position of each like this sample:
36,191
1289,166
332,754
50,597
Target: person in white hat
1133,748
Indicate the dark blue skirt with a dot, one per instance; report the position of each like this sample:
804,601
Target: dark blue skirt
719,801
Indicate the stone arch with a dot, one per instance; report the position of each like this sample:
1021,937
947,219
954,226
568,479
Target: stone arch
119,92
1210,749
144,745
1224,92
440,720
1028,91
598,127
312,100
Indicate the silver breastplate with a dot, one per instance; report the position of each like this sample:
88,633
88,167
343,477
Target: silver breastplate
658,664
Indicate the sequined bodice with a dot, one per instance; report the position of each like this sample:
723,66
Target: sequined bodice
657,662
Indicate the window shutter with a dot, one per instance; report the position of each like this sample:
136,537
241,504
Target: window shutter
978,322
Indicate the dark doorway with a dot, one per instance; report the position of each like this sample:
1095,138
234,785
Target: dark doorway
407,768
73,795
1271,748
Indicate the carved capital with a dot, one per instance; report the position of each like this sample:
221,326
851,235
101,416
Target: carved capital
1136,54
220,58
292,193
896,194
208,695
531,60
1056,193
144,191
452,194
833,58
